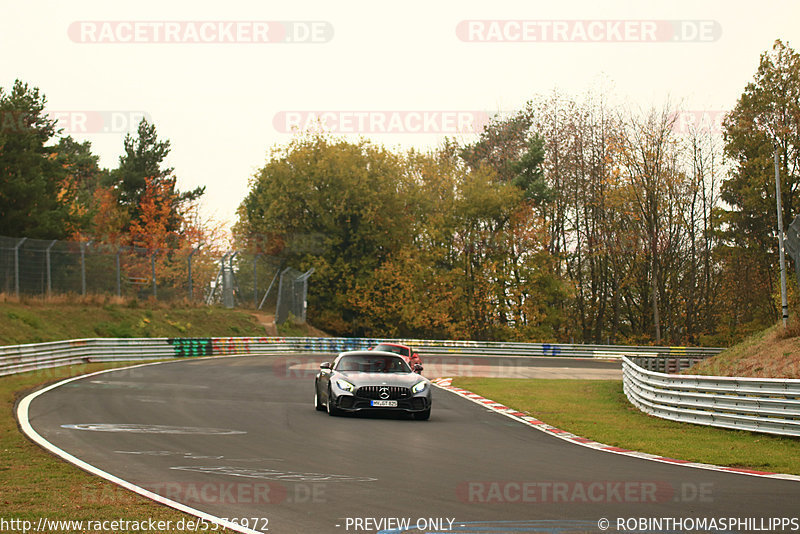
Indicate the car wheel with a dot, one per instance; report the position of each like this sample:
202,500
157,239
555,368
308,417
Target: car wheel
317,404
423,416
332,410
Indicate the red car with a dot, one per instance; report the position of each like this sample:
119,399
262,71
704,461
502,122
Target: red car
406,352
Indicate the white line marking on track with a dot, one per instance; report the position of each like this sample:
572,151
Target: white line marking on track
141,385
274,474
23,409
193,456
133,428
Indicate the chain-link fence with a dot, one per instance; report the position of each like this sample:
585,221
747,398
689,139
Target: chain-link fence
245,280
292,298
33,267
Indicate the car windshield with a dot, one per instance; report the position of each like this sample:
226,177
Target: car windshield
372,364
402,351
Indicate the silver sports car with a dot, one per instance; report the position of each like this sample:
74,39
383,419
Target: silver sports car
371,380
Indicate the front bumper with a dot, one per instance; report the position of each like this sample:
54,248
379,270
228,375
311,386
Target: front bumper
351,403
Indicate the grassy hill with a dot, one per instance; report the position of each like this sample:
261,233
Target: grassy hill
36,321
773,353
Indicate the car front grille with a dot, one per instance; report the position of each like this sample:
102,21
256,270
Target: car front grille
383,392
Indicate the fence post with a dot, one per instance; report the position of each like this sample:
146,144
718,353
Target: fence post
217,281
47,261
278,315
119,275
269,288
153,268
189,261
255,280
304,277
16,265
83,266
227,282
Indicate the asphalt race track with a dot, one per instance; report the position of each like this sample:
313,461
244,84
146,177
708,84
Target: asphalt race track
238,438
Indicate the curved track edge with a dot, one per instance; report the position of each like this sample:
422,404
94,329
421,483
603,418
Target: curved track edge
24,422
533,422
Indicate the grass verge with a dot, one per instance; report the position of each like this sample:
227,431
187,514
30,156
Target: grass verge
772,353
36,321
35,484
599,410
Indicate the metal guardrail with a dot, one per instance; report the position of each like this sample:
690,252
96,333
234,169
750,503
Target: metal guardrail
768,405
760,405
667,363
22,358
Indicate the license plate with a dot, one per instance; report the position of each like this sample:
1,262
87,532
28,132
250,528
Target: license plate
384,403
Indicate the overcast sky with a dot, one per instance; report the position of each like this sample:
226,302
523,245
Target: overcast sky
226,81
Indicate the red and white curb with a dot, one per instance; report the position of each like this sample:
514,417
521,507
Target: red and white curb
446,384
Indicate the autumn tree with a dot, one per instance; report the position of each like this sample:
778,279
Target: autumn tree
152,229
766,117
342,196
648,156
82,187
142,163
701,282
604,168
513,152
577,172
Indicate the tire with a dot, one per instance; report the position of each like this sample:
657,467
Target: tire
318,405
423,416
332,410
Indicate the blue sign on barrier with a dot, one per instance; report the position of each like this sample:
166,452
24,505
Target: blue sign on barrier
552,349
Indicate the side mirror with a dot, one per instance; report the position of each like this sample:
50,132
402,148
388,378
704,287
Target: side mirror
325,365
418,368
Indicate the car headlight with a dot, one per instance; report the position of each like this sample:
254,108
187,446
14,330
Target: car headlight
345,385
420,386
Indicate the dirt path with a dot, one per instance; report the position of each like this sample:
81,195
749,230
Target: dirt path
268,322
